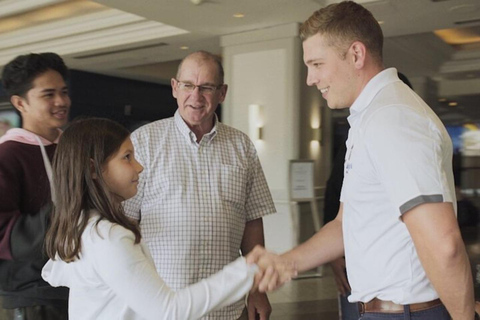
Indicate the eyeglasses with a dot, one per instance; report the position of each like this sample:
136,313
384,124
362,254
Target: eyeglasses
190,87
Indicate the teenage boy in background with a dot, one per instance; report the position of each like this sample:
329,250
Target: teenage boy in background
36,86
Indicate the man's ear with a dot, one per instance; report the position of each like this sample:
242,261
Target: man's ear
359,53
173,83
223,93
18,102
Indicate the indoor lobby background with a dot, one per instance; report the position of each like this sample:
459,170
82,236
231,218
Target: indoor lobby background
122,54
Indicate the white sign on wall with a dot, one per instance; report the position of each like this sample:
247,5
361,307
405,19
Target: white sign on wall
301,180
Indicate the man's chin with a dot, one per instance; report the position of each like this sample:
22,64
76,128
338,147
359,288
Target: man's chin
334,106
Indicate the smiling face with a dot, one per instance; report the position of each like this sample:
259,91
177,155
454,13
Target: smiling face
46,105
197,108
332,74
122,171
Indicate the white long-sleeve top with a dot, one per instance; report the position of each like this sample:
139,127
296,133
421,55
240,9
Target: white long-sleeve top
116,279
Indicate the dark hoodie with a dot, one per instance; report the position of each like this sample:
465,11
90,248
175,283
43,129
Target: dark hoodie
25,206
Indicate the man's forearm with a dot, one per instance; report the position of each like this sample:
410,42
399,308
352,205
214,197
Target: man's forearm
450,273
325,246
440,248
252,235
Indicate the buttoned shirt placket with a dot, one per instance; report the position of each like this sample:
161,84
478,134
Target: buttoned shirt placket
205,190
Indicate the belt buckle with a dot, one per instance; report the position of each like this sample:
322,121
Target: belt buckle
361,308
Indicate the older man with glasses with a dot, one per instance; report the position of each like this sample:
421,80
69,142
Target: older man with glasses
203,193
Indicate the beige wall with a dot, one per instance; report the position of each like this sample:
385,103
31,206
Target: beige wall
265,67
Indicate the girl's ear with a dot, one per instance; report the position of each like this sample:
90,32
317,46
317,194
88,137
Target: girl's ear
92,169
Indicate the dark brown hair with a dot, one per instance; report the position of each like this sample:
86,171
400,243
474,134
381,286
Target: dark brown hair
343,23
18,75
82,153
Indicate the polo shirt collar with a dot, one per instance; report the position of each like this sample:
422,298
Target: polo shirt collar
189,134
377,83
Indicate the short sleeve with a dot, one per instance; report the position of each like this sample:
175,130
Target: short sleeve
259,199
407,151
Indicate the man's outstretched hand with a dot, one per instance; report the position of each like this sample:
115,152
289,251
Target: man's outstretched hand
274,270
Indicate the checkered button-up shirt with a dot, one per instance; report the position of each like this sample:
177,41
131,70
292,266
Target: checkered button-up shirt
194,199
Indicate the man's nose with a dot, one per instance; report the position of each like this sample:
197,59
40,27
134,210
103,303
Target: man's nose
311,80
61,99
197,93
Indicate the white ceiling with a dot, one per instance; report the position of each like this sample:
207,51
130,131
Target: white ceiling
141,39
127,34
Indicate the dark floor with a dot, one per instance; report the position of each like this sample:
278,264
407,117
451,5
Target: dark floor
306,299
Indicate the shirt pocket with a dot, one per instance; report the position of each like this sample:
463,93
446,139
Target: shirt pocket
156,191
233,185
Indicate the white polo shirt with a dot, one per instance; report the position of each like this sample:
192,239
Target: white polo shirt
399,155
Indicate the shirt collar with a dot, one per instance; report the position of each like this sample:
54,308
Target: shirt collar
189,134
377,83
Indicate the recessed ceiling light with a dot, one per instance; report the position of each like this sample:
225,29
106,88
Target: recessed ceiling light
381,22
442,99
459,36
452,104
238,15
184,47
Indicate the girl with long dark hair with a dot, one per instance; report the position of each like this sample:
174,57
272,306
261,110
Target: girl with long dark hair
97,251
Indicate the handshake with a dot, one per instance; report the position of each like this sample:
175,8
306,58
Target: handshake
274,270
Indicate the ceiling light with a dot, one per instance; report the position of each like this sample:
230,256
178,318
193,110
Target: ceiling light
381,22
458,36
239,15
442,99
452,104
184,47
48,14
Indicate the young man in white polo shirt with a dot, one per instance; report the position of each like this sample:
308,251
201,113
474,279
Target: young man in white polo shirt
396,223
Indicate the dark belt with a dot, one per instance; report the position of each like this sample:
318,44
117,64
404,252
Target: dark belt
380,306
